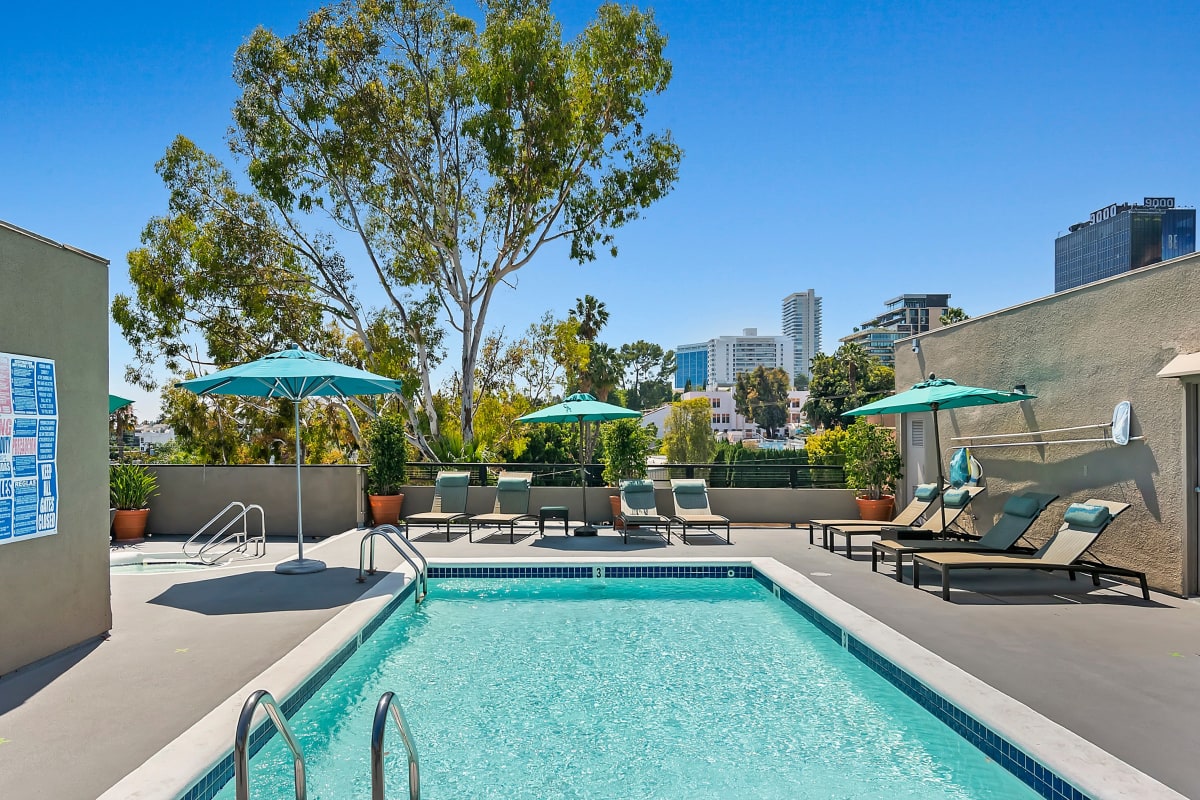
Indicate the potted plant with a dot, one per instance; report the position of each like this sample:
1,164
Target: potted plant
872,468
387,451
626,444
130,487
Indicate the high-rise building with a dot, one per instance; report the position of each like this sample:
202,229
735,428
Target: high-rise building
726,357
906,315
802,324
1123,237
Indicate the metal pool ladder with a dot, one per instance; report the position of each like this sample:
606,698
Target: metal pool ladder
241,745
378,727
241,538
390,534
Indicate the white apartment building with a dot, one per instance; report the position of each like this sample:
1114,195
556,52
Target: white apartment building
722,359
726,422
802,324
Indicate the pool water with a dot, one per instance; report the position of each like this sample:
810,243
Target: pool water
523,689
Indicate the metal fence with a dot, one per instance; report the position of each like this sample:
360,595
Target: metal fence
749,474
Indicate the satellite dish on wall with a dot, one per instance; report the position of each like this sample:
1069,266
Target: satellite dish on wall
1120,423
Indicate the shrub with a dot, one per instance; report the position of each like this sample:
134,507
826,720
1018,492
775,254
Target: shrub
130,487
387,450
872,460
626,445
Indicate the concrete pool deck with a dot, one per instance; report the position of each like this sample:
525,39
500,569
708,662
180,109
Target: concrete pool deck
1116,670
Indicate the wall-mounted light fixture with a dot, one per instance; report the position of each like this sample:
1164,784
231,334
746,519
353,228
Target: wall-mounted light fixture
916,345
1020,389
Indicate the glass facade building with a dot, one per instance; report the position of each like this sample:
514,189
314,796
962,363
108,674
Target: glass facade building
1133,237
905,316
691,366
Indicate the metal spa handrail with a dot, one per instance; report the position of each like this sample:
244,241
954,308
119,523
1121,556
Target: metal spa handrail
241,745
240,538
378,729
386,532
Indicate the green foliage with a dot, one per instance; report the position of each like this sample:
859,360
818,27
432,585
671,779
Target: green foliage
591,315
873,463
646,374
626,445
688,436
827,447
451,448
548,444
844,381
952,315
387,451
800,382
130,486
761,396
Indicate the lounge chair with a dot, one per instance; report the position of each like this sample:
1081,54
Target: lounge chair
691,508
955,501
512,504
449,502
1082,525
923,499
1019,514
639,508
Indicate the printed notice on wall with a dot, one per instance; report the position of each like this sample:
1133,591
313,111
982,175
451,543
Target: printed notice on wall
28,448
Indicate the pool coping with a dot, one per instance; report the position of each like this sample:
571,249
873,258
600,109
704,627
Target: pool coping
1066,765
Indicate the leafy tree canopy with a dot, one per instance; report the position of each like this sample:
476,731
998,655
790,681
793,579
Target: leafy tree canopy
688,436
844,381
761,396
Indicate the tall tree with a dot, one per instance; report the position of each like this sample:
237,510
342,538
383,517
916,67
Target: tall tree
843,381
450,155
592,316
952,315
646,374
761,396
688,435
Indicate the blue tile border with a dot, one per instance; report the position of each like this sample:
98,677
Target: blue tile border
1016,761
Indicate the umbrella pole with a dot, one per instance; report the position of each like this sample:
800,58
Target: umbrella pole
585,529
937,446
300,565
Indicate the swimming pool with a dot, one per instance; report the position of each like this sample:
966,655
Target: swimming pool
1054,761
667,688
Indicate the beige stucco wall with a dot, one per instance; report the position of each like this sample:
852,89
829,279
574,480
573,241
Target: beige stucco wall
54,591
1081,352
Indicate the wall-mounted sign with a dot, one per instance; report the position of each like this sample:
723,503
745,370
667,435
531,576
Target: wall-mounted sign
1159,202
28,448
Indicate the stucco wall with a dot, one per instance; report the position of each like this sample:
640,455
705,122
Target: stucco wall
189,496
54,591
1081,352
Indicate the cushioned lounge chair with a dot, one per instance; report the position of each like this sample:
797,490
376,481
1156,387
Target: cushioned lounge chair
512,504
1082,525
449,502
911,514
691,508
639,508
1019,513
955,502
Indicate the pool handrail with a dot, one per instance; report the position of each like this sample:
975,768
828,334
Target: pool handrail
241,538
387,532
241,745
378,729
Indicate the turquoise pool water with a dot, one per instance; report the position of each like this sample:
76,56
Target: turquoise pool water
523,689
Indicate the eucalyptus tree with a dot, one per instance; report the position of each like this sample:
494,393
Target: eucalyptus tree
447,154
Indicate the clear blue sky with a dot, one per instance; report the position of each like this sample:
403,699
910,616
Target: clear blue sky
862,149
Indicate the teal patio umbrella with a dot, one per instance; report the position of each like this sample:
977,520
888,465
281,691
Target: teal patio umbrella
293,374
115,403
932,395
580,407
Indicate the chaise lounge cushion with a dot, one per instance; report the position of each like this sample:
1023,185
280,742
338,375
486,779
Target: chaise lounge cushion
1086,516
926,491
1023,506
955,498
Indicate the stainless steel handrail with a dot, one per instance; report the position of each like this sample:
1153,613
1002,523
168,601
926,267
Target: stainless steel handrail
242,538
378,728
210,523
386,532
241,745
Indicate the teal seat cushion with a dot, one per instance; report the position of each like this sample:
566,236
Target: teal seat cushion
1021,506
926,491
453,479
511,484
688,487
1086,516
637,487
955,498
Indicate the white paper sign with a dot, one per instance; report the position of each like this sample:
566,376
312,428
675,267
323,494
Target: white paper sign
28,448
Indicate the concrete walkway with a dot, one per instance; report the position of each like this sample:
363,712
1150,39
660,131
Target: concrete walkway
1116,670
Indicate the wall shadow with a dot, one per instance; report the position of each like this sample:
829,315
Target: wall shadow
19,685
258,592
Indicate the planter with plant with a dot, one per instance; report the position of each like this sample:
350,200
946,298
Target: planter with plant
130,487
387,450
873,467
626,444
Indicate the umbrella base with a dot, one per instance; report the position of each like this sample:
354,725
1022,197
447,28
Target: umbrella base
299,566
586,530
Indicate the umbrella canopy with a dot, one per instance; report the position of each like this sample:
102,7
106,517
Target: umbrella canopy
293,374
933,395
115,403
580,407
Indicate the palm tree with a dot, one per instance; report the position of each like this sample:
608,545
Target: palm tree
592,316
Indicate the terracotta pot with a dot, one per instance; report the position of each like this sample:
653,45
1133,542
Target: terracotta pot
385,508
615,502
880,509
130,526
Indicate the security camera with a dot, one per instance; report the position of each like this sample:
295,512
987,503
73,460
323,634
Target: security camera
916,346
